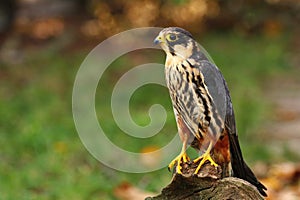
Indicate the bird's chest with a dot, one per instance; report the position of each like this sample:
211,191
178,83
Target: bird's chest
174,72
179,88
173,77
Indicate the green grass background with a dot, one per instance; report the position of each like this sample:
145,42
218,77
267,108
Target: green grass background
41,155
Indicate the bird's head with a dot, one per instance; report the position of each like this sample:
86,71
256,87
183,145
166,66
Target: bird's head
177,42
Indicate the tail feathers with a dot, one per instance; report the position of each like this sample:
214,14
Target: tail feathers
250,177
240,168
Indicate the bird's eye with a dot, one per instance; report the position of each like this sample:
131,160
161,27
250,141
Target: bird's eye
171,37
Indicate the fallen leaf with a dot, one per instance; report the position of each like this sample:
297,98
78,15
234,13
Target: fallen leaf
126,191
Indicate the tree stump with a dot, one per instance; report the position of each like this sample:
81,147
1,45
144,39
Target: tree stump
206,185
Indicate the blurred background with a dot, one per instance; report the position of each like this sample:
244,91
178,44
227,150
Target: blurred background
255,43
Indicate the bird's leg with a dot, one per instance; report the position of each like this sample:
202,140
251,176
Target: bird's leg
182,156
206,156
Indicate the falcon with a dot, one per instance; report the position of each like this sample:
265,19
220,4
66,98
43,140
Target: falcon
202,107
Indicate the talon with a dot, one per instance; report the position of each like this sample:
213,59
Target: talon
185,158
182,157
206,156
178,169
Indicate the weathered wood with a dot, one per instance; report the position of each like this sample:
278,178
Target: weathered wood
207,184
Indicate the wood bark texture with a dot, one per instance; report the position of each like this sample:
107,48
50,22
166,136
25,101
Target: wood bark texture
206,185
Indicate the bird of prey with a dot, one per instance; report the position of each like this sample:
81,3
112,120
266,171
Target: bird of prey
202,107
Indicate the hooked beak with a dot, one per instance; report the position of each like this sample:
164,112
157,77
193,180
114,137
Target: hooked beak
159,39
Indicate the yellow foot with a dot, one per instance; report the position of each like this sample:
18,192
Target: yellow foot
181,157
206,156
